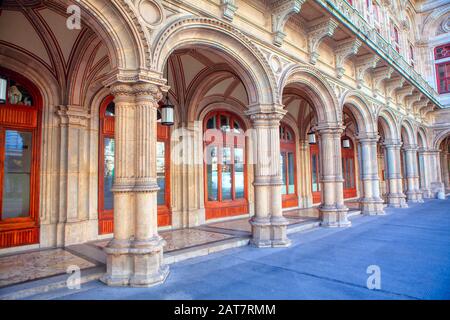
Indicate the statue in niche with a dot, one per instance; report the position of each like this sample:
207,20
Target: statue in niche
14,95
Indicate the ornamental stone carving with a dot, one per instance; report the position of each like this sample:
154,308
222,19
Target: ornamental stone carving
344,50
316,33
282,10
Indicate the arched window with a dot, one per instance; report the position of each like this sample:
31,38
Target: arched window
20,113
348,169
315,173
106,170
288,167
225,170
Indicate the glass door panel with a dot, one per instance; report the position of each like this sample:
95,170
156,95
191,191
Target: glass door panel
161,172
239,173
16,174
227,172
108,178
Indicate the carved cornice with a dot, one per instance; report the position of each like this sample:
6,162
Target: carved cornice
228,8
363,64
410,100
281,11
378,76
71,115
316,34
344,50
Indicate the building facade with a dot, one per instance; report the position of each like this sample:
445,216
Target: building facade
278,106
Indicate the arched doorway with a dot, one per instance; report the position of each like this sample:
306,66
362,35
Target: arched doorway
288,166
20,115
224,170
106,170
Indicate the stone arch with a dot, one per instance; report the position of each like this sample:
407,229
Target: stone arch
439,138
422,138
117,25
432,21
212,103
317,88
388,124
195,97
360,110
409,132
292,124
224,40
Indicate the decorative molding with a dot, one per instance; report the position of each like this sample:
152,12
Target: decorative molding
228,8
363,64
403,92
378,76
410,100
73,116
282,10
344,50
316,34
391,86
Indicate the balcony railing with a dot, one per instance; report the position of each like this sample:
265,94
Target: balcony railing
353,19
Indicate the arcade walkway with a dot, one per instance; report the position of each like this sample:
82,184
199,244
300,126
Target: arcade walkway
411,247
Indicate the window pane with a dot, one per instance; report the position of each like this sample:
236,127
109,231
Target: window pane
226,174
315,184
224,123
211,124
283,172
239,172
108,178
110,109
291,179
212,174
161,172
17,173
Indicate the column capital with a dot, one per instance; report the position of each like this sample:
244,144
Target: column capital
410,147
333,128
392,143
72,115
368,137
266,115
138,90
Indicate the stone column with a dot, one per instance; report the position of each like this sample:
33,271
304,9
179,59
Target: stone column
395,197
413,193
304,173
135,255
370,202
434,171
333,212
424,175
269,227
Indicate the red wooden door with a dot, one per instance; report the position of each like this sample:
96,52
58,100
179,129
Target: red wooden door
348,171
225,174
19,161
315,173
106,170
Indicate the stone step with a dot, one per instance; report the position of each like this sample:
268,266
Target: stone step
28,289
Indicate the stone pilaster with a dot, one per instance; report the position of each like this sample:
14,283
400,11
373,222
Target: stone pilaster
371,202
135,255
74,224
413,193
269,227
395,196
424,175
333,212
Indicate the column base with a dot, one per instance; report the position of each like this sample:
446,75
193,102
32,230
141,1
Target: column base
412,196
268,233
334,217
135,264
372,207
279,232
261,232
397,200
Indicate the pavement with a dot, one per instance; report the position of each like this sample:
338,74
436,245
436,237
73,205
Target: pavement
410,248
